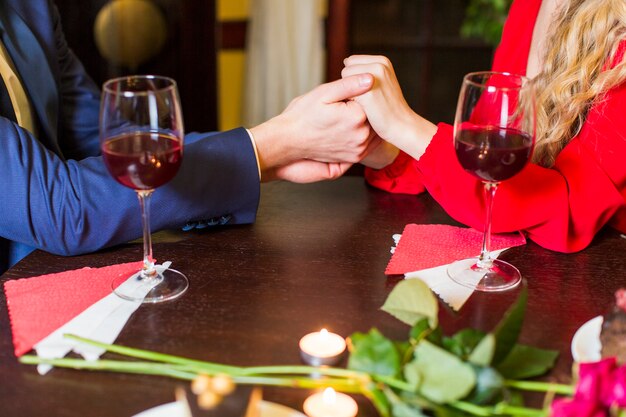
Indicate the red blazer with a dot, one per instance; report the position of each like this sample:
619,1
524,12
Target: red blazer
561,208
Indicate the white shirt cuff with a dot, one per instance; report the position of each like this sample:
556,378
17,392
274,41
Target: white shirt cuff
256,152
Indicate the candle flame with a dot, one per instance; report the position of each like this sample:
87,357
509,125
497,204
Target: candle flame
329,397
324,332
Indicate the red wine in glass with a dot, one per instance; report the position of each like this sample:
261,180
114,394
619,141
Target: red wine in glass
141,137
143,160
494,132
491,153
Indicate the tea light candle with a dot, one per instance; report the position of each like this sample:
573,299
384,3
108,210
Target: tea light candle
330,403
322,348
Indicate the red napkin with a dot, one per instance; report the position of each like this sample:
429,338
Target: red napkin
425,246
40,305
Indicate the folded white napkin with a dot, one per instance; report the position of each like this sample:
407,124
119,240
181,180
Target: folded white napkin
450,292
438,280
102,321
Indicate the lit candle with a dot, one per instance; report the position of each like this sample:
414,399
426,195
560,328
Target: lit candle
322,348
330,403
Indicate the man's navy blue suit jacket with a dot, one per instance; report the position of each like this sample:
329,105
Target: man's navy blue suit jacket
55,192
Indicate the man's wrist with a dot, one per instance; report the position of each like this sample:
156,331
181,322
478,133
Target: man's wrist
272,146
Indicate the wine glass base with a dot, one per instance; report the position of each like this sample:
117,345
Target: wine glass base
164,286
500,276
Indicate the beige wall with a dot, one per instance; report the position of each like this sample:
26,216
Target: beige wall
230,71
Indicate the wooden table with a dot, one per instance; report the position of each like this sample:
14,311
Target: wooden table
315,258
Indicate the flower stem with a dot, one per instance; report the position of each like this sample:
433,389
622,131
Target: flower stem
187,372
149,368
394,383
303,370
501,409
540,386
209,367
519,411
293,382
212,368
470,408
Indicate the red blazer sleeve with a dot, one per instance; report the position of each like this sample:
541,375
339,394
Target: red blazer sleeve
401,176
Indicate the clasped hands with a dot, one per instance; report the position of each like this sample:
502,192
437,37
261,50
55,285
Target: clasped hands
361,117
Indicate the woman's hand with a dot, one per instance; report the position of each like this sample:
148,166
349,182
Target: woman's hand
387,111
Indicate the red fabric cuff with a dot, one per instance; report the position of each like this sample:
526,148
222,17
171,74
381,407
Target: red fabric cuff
400,177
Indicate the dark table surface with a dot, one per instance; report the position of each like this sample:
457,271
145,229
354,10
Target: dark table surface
314,258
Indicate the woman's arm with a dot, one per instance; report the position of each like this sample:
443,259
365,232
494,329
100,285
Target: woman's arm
561,207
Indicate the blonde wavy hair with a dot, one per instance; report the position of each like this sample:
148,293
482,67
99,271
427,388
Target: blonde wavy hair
584,40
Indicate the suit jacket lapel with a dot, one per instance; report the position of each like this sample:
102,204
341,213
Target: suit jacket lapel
33,69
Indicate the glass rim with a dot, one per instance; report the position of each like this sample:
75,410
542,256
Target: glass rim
467,79
170,84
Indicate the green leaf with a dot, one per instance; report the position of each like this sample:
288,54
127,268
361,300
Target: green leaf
404,404
515,398
401,409
436,336
373,353
508,330
489,386
379,399
415,400
412,375
527,362
482,354
420,329
401,347
463,342
410,301
444,376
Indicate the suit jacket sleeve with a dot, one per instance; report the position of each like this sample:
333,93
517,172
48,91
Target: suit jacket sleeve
74,206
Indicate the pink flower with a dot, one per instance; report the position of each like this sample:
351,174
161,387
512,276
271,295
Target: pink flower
595,380
576,408
600,385
618,390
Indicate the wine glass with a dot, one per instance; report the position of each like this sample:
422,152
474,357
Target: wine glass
494,132
141,136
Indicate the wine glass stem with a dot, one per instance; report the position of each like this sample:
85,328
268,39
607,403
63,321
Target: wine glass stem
148,262
485,260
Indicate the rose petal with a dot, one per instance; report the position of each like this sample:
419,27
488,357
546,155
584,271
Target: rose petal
595,380
618,389
576,408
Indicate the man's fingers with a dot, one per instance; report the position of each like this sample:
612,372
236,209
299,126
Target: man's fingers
346,88
336,170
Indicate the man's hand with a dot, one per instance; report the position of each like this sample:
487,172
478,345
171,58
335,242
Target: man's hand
307,171
323,125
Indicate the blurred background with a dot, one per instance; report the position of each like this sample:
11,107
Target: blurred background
239,62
